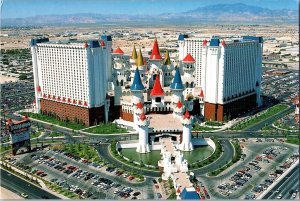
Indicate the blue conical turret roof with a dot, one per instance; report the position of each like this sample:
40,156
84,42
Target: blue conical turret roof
177,82
137,82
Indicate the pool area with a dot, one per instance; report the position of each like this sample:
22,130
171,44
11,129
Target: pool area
152,158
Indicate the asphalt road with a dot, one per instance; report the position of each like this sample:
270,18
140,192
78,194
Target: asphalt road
17,185
285,185
225,158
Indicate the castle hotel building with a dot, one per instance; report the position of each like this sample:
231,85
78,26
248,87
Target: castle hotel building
228,71
220,79
71,79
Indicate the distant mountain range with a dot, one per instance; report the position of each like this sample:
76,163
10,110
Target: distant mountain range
221,13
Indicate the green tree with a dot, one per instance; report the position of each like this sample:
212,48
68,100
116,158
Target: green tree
22,76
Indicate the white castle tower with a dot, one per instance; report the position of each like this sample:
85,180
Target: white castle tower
157,94
155,65
132,62
177,89
119,77
178,110
187,122
188,78
167,68
137,89
141,66
201,101
143,123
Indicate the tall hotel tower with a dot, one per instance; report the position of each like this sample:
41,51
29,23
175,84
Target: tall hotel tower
229,73
71,79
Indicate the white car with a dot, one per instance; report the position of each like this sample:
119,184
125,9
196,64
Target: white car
279,196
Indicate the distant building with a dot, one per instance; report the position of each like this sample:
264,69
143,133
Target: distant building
71,79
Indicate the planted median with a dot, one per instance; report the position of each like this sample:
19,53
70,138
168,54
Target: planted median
260,117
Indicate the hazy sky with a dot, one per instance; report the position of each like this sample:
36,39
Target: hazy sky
25,8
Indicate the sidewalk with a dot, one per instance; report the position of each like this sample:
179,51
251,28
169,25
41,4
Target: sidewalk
43,185
6,194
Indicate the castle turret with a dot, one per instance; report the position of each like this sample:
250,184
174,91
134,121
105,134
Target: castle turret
188,78
167,69
201,103
137,89
157,94
143,123
132,62
119,77
155,65
187,122
178,110
141,66
177,88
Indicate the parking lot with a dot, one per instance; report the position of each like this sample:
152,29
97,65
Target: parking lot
250,176
85,178
281,87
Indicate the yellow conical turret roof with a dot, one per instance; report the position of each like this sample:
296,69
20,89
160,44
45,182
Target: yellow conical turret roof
140,59
133,54
167,60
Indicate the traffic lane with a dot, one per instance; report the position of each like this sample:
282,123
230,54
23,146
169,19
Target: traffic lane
290,185
17,185
224,158
283,187
272,193
294,186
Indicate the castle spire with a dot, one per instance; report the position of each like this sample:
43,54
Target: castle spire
133,53
167,60
177,82
155,55
137,82
140,59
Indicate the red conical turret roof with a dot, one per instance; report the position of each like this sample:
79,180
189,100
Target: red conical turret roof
157,90
179,104
186,115
139,105
142,116
86,45
188,59
118,51
178,190
155,55
102,43
201,93
204,42
223,43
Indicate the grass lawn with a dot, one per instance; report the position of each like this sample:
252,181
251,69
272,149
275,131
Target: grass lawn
55,134
34,135
109,128
270,112
4,148
202,128
214,123
53,120
293,140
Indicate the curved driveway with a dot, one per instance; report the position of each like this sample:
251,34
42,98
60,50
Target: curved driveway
224,159
103,150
